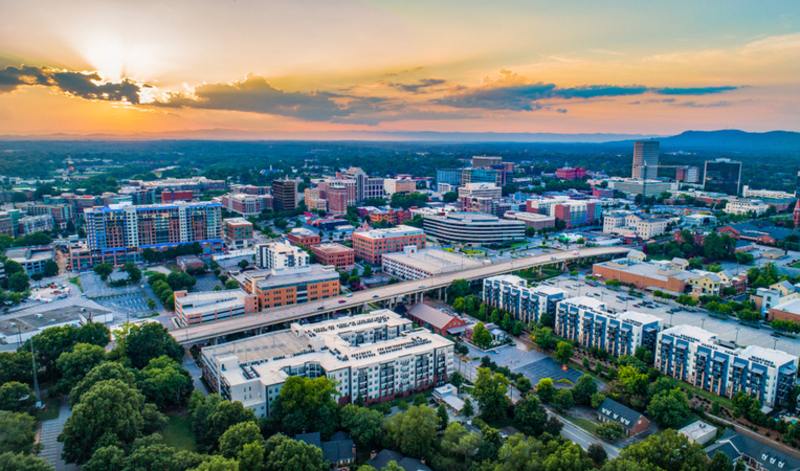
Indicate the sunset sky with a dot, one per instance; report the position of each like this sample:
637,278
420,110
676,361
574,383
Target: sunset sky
124,67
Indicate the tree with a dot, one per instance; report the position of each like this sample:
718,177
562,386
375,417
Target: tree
413,431
251,458
530,415
545,389
230,284
458,289
219,463
563,400
151,340
286,454
17,397
306,403
610,431
468,410
544,338
109,458
75,365
17,432
459,304
102,372
668,451
367,270
19,282
232,442
671,408
441,413
524,385
15,366
481,337
568,457
458,443
456,379
23,462
634,381
110,413
597,454
584,389
104,270
564,352
490,391
365,425
744,258
50,268
720,462
165,383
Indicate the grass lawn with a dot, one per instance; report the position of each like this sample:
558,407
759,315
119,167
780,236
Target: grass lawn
498,424
795,265
76,280
723,401
178,433
587,425
52,411
172,267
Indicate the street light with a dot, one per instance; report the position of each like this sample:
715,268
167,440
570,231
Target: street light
736,340
774,345
703,323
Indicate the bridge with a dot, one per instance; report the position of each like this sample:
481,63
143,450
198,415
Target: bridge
388,296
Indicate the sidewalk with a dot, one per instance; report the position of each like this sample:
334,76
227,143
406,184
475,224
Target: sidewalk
48,437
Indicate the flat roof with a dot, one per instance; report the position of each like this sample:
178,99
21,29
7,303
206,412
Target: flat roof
399,231
586,301
36,254
697,429
331,248
45,319
692,332
202,301
294,276
433,260
792,306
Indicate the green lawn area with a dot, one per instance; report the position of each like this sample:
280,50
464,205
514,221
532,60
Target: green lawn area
76,280
723,401
52,411
795,265
587,425
172,267
178,433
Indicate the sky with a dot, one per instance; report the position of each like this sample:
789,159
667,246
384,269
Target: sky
128,67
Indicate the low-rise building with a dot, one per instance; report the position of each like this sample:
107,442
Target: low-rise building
753,454
699,432
511,293
276,288
536,221
238,233
693,355
32,259
21,328
399,185
376,357
586,321
744,206
334,254
304,237
788,310
436,319
208,306
473,228
247,205
31,224
571,173
632,422
339,451
415,264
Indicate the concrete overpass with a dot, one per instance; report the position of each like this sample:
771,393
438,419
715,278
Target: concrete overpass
388,296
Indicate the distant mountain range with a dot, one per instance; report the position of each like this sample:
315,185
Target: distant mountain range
724,140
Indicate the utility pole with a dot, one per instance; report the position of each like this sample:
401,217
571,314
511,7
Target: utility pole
35,379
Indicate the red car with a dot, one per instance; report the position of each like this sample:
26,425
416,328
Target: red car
341,301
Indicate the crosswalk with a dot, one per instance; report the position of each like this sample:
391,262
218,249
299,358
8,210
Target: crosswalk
48,437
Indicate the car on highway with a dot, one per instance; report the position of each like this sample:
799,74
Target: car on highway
320,308
342,301
350,295
374,296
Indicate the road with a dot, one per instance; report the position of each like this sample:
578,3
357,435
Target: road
584,438
202,332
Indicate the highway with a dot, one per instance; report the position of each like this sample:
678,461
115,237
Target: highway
392,293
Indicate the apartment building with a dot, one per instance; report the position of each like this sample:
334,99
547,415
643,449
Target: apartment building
486,161
694,356
633,225
303,236
511,293
391,216
536,221
275,288
208,306
32,259
745,206
170,196
484,175
250,189
31,224
585,320
399,185
280,256
315,200
572,212
473,228
340,197
117,233
414,264
247,205
238,233
370,245
334,254
377,356
9,222
61,213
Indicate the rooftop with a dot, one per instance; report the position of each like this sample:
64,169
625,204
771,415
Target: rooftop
238,222
44,319
587,302
331,248
690,332
270,279
433,260
399,231
697,429
430,315
30,254
639,317
792,306
196,303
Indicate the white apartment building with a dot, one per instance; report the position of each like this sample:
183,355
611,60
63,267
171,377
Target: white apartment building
511,293
280,256
628,224
31,224
613,220
414,264
375,356
585,320
745,206
748,192
694,356
480,190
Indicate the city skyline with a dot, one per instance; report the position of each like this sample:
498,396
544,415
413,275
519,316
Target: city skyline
578,67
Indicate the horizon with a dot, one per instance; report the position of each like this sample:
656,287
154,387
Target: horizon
201,68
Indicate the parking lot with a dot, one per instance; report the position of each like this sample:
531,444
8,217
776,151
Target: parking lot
725,329
206,282
94,287
133,304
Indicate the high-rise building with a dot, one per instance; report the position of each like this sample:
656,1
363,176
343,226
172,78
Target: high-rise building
284,194
723,176
511,293
448,176
687,174
115,233
485,161
338,199
280,256
645,156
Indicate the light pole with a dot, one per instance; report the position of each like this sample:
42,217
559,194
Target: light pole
670,318
736,339
703,323
775,344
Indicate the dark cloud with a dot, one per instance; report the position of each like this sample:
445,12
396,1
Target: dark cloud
88,85
421,86
694,91
694,104
594,91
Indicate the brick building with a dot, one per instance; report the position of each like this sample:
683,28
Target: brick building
369,245
334,254
276,288
304,237
238,233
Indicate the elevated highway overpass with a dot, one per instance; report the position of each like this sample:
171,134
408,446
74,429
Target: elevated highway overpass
388,296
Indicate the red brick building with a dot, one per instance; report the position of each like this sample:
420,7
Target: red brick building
370,244
304,237
334,254
168,196
436,320
633,422
571,173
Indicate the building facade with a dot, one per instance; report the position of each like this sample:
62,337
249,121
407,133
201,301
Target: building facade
511,293
200,307
645,159
414,264
473,228
284,194
275,288
722,176
238,233
334,254
280,256
370,245
303,236
247,205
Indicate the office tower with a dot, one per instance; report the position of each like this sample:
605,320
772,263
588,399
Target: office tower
338,199
645,154
484,161
280,256
723,176
284,195
687,174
